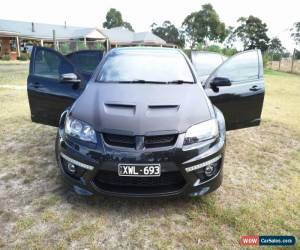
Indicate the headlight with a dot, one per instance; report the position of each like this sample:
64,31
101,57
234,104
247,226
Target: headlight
80,130
202,132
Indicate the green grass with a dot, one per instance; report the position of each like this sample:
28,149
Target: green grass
13,73
260,194
282,102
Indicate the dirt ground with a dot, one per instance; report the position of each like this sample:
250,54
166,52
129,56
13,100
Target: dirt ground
260,194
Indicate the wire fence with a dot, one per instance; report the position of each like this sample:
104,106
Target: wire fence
284,63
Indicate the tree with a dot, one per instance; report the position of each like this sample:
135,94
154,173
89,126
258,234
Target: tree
169,33
253,33
276,49
127,26
276,46
204,25
114,19
296,32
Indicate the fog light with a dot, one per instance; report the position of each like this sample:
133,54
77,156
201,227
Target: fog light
209,170
71,167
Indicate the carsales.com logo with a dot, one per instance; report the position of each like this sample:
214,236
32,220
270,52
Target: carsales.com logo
255,240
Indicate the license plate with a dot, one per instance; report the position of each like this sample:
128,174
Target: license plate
139,170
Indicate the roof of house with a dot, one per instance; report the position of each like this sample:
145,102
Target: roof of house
121,35
45,31
117,35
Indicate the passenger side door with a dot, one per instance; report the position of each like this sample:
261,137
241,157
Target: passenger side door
237,88
53,85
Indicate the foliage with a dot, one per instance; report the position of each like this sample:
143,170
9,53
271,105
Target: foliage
80,45
204,25
169,33
114,19
64,48
252,32
218,49
128,26
297,55
98,45
276,50
296,32
275,46
24,57
266,59
6,57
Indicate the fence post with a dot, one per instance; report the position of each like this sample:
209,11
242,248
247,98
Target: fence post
293,60
279,63
272,61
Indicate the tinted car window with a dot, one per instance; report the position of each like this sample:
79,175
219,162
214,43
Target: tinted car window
86,61
49,64
46,64
157,66
240,68
205,63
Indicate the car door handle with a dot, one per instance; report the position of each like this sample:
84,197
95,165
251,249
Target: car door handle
254,88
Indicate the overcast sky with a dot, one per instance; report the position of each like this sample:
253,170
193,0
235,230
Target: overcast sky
279,15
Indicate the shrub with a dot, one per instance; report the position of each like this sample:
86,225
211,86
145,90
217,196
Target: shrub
64,48
24,57
80,45
6,57
266,59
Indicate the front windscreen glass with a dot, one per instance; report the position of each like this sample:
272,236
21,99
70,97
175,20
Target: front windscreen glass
153,66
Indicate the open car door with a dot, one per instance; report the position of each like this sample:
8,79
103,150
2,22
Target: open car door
237,88
53,84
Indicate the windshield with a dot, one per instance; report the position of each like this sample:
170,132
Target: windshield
146,67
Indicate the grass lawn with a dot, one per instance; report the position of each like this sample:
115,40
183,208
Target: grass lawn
13,72
260,194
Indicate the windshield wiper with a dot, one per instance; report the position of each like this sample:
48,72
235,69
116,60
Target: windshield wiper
142,81
179,82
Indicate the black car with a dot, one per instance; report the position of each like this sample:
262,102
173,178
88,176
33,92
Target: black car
138,122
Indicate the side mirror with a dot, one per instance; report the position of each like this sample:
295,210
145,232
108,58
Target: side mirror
220,82
69,78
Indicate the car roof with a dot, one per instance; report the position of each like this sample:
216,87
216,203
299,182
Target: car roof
138,49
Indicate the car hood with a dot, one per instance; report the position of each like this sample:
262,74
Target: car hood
141,109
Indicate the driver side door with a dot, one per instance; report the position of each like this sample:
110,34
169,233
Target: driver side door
241,103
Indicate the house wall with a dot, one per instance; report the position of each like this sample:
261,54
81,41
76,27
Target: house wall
5,48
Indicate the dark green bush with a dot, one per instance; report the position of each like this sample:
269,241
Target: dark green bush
24,57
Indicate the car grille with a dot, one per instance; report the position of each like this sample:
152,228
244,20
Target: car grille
119,140
149,141
160,141
168,181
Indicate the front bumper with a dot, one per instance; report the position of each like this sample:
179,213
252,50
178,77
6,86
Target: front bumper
182,170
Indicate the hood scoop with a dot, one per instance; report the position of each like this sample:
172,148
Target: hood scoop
162,110
119,109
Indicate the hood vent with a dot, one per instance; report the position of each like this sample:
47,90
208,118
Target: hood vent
162,110
119,109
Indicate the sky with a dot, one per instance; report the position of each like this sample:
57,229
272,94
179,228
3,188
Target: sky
279,15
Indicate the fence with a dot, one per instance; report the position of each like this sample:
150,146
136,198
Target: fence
285,65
